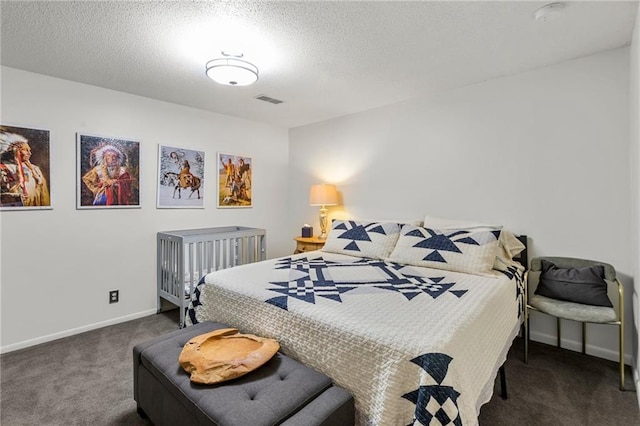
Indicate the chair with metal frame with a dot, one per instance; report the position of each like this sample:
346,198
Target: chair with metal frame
575,311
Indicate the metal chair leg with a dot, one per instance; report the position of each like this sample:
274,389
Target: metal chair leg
526,336
558,326
584,337
621,337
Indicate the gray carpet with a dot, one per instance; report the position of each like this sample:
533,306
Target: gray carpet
87,380
561,387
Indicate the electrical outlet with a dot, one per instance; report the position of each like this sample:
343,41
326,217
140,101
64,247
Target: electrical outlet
114,296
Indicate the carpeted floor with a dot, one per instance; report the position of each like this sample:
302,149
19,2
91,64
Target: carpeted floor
561,387
87,379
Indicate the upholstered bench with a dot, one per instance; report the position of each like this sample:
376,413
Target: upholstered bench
282,391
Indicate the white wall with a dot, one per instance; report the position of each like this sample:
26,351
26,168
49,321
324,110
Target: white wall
546,153
635,188
526,151
59,265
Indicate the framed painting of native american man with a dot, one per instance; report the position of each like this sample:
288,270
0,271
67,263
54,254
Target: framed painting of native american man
235,182
108,172
180,178
24,168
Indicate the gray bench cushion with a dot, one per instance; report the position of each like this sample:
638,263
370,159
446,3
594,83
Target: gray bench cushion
281,390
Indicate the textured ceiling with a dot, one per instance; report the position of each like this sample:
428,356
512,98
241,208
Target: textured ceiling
323,59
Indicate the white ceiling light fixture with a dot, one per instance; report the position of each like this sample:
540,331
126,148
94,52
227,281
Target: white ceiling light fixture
549,12
232,71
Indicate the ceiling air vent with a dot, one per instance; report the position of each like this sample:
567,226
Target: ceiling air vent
268,99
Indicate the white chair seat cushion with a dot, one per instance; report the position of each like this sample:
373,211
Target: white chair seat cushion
573,311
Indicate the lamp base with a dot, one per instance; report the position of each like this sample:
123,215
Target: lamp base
323,223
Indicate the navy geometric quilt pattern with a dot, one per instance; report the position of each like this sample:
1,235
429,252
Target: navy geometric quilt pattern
311,278
355,232
373,240
514,273
438,241
195,301
435,402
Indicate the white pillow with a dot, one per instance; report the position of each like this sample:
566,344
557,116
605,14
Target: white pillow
509,244
460,250
434,222
374,240
414,222
508,247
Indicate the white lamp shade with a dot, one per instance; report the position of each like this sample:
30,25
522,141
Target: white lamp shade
232,71
323,195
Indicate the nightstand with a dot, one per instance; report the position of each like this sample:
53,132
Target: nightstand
308,244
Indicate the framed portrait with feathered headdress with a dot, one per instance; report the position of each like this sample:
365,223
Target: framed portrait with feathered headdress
24,168
108,172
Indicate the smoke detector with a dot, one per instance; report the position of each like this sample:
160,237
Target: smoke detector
549,12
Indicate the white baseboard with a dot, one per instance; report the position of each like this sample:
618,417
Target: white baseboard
71,332
577,347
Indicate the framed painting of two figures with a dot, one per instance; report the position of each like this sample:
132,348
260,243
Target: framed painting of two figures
234,181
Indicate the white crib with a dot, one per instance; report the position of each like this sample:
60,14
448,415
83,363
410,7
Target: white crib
185,256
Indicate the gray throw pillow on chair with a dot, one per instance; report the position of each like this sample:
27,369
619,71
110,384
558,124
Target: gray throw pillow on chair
578,285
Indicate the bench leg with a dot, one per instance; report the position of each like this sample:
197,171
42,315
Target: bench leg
141,412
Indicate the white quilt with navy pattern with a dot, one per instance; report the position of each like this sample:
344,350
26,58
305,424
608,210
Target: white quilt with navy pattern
413,345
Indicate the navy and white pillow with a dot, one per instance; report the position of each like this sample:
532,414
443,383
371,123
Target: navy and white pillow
373,240
459,250
508,245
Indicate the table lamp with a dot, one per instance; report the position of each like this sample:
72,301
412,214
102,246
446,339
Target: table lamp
323,195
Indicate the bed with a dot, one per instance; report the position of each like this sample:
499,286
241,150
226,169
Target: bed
415,322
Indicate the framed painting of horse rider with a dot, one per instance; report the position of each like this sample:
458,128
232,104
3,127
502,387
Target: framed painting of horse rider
24,168
234,181
180,178
108,172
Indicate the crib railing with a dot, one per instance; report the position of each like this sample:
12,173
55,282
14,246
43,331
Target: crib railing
185,256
